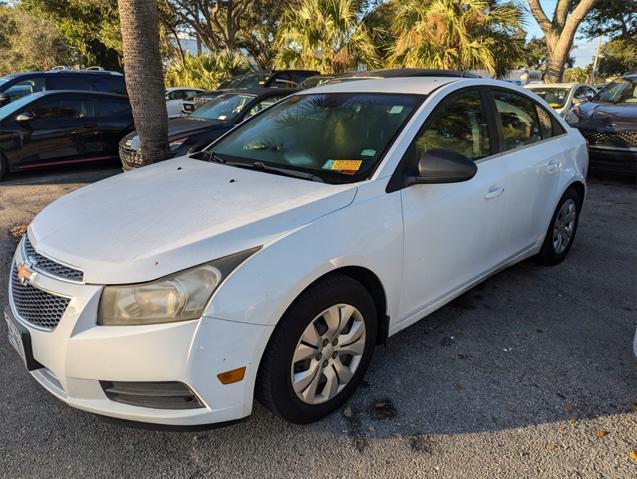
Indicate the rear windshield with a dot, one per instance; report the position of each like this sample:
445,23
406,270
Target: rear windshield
555,97
340,137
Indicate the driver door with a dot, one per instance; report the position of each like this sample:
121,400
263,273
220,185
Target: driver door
452,232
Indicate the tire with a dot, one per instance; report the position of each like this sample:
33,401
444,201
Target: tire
554,249
319,389
4,167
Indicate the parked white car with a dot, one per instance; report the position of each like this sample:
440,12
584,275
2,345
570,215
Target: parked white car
175,98
563,96
177,292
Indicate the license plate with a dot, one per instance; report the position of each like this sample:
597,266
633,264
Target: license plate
20,339
15,338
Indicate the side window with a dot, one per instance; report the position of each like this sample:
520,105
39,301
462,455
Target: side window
546,122
459,125
25,87
114,109
109,84
262,105
518,118
177,95
61,109
67,82
190,94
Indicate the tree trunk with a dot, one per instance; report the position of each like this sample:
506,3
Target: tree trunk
558,56
144,76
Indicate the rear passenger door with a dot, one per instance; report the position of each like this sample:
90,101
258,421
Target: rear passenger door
533,157
113,120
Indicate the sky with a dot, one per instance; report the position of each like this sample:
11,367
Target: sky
585,48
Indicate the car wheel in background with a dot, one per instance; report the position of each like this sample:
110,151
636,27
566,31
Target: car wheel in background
561,232
319,351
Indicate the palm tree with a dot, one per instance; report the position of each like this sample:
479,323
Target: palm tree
458,34
139,21
325,35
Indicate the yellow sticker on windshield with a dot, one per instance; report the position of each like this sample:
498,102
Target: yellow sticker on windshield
553,105
346,165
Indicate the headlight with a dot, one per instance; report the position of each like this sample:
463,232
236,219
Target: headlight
173,145
177,297
571,118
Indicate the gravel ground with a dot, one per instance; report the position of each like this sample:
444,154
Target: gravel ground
530,374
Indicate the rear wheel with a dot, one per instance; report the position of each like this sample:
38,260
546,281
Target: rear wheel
561,232
319,351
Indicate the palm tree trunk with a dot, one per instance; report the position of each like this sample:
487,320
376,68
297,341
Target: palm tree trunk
144,76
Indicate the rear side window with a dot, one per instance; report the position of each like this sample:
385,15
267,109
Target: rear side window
25,87
67,82
114,109
518,118
63,109
459,125
109,84
549,126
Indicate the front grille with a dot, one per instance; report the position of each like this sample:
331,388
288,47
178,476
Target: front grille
42,263
130,157
35,306
621,138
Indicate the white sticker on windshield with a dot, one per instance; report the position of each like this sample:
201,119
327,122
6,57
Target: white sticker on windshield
222,117
396,109
368,152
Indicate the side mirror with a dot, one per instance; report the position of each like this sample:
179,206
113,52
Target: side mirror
25,117
443,166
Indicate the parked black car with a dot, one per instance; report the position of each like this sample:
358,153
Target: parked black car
62,127
272,79
609,124
17,85
207,123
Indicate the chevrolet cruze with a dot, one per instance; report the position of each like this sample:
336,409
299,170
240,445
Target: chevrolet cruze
271,264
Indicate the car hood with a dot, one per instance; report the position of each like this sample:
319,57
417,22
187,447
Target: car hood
601,114
166,217
179,128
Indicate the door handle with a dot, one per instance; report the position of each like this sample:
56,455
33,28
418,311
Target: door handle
494,192
552,166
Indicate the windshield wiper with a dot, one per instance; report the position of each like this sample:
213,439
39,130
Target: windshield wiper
287,171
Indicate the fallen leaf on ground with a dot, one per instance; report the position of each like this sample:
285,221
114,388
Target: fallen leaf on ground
633,406
552,446
572,421
18,230
568,406
347,412
601,434
633,454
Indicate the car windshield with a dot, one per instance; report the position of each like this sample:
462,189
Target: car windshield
555,97
623,90
251,80
339,137
10,108
3,80
223,107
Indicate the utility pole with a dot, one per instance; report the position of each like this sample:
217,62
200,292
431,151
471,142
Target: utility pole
598,52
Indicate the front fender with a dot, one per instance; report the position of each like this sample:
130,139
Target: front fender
368,234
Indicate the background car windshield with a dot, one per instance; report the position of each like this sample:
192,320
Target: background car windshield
14,106
555,97
3,80
222,107
251,80
619,91
338,136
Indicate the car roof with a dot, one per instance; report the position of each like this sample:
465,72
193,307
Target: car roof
50,93
64,72
411,85
554,85
408,72
176,88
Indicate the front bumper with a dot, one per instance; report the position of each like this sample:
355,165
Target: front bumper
613,160
77,354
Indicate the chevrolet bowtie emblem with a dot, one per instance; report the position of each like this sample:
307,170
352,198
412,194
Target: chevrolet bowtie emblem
24,273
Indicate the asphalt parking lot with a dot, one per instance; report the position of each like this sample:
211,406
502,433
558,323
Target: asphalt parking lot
531,374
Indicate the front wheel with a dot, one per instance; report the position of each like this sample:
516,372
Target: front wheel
319,351
561,232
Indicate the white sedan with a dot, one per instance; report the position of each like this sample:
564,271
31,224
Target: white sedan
274,263
175,98
563,96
